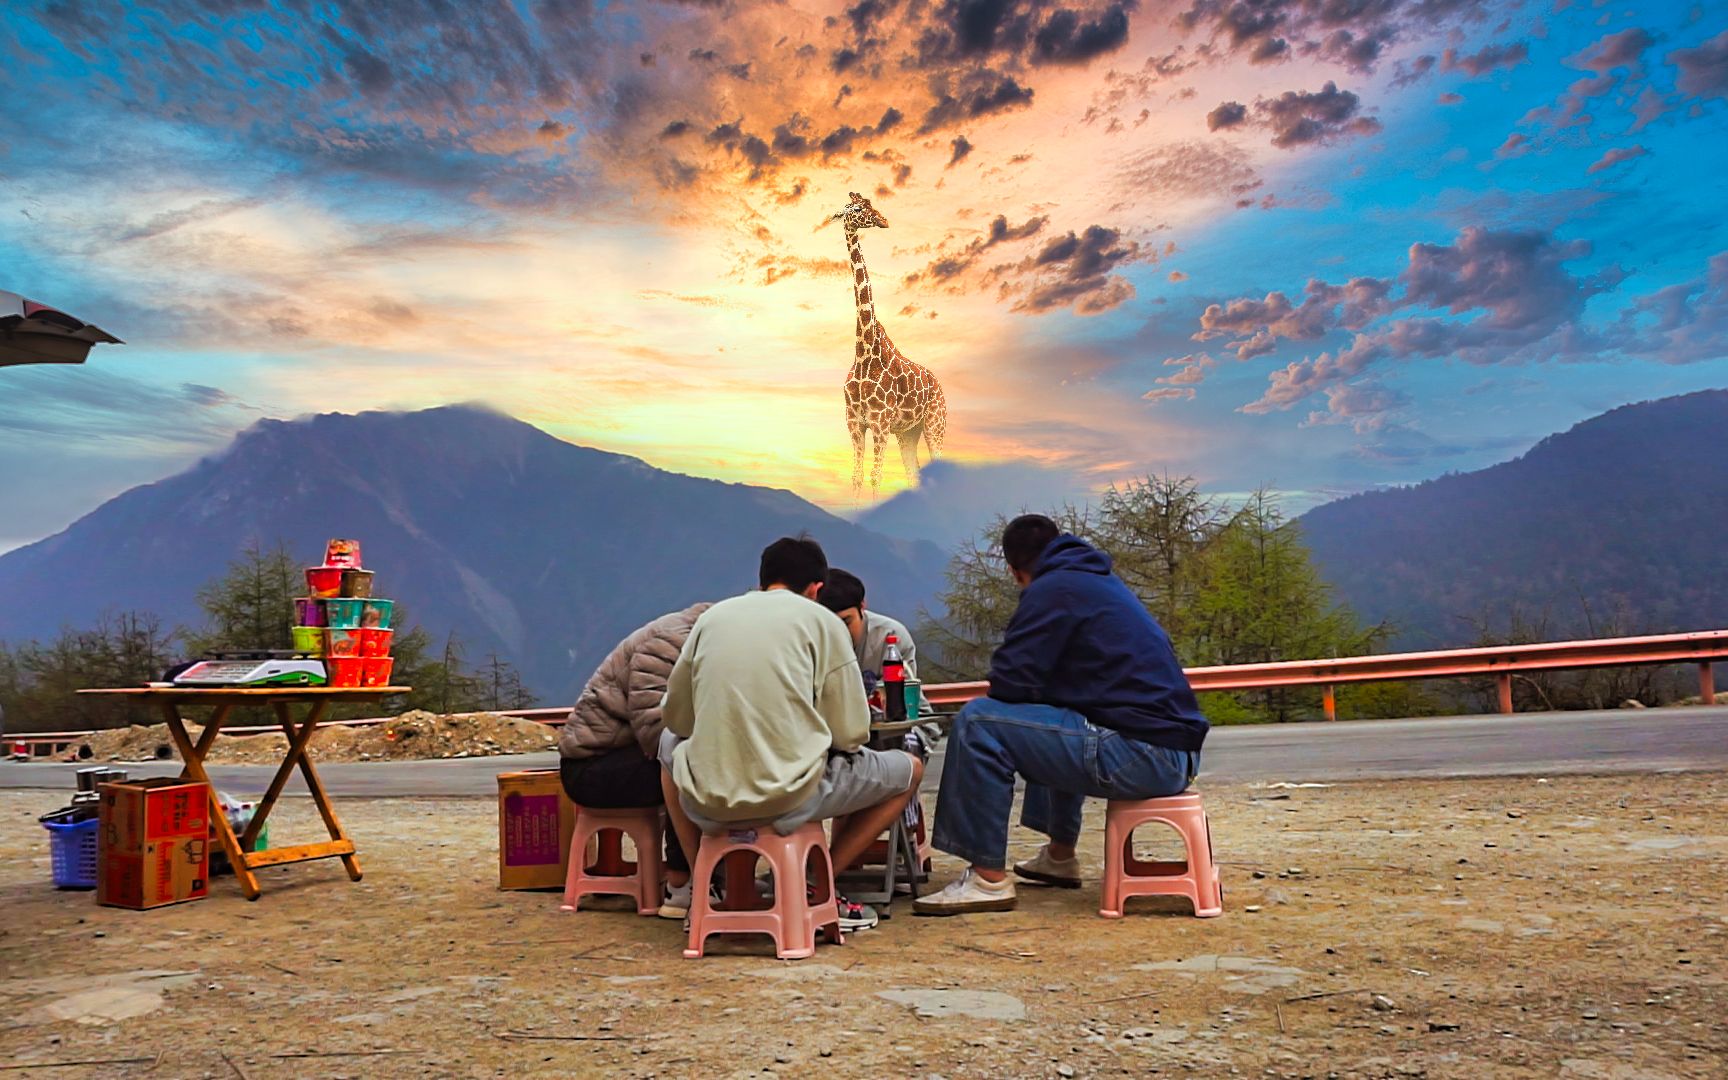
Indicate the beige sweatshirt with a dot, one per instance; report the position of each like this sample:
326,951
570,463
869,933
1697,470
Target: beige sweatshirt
766,685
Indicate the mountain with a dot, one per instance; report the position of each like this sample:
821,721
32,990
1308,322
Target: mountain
953,503
545,552
1624,511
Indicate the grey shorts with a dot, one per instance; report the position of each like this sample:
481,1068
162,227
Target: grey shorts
851,782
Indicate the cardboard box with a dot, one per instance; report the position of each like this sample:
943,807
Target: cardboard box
139,812
535,822
153,844
163,872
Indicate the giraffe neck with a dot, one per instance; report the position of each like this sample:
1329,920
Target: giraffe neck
868,329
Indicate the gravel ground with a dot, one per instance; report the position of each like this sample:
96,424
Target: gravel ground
1486,928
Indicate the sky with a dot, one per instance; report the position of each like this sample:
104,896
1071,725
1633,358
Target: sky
1320,246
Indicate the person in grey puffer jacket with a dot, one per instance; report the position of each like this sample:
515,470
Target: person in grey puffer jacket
609,741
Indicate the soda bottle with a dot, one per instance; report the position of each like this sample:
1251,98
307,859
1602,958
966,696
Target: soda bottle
893,680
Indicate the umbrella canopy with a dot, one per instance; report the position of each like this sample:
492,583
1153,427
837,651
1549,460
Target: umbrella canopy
32,333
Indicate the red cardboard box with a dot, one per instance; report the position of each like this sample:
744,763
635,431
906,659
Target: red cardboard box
535,822
153,845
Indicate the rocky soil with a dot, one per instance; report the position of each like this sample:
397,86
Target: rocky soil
1512,927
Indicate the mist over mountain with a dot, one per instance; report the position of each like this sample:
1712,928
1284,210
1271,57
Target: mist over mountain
1614,526
545,552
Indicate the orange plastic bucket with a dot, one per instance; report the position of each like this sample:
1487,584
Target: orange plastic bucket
343,642
375,642
376,671
345,670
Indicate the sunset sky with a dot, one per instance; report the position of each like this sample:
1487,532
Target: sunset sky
1314,244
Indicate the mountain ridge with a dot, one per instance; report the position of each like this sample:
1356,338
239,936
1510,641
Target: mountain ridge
544,551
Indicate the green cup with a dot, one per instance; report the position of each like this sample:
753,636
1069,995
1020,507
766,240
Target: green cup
914,697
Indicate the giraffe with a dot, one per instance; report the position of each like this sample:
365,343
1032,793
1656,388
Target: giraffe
886,394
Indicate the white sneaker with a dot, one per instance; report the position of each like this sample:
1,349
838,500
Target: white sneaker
967,893
1063,873
677,902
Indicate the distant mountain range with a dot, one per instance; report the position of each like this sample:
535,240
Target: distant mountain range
545,552
1625,511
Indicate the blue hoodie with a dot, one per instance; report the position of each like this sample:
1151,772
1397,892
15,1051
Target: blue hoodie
1081,640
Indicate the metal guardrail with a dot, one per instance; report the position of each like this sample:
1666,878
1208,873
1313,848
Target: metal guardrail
1500,661
1702,647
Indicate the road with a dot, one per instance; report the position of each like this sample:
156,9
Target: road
1615,741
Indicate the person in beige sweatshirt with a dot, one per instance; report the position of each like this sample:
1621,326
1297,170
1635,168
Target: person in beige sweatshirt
766,719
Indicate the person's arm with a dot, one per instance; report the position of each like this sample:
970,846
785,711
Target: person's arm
678,708
841,703
1032,645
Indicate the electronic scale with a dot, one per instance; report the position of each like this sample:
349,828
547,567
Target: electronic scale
257,668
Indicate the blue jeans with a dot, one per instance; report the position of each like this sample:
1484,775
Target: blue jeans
1064,758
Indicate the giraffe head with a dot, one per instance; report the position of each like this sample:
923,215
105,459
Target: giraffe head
859,214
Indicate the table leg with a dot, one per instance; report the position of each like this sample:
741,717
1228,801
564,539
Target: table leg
297,741
350,861
914,866
192,758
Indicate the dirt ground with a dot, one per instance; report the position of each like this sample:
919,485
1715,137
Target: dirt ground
416,735
1510,928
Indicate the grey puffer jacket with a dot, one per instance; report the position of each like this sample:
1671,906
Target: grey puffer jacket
622,698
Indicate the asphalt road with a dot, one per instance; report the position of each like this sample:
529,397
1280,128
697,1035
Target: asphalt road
1616,741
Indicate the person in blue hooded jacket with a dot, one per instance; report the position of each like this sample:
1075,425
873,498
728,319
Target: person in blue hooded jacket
1086,698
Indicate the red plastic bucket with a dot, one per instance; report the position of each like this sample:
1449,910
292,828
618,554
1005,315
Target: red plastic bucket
377,671
343,643
375,642
324,581
343,614
345,670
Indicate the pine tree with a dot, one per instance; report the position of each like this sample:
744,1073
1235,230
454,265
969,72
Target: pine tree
251,606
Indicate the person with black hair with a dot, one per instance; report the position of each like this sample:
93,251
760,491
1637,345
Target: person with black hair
843,594
766,721
1086,699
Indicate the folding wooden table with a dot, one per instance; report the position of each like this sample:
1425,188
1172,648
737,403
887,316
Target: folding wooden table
222,701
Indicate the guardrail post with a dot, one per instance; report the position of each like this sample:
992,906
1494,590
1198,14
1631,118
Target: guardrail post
1706,683
1504,679
1331,700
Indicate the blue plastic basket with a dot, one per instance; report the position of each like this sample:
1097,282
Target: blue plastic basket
72,849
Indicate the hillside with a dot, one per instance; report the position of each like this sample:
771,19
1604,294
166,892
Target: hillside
545,552
1625,510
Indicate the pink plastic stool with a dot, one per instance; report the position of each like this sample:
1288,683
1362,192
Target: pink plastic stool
791,917
611,874
1126,876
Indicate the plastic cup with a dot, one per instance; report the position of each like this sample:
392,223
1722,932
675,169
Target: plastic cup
343,553
377,613
324,581
375,642
309,640
344,614
914,697
345,670
375,671
342,642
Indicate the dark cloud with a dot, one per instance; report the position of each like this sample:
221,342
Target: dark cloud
1491,58
1622,50
1703,71
948,267
1353,33
1069,38
961,148
1021,31
1508,292
1413,72
1228,115
1075,270
1614,157
1299,118
970,95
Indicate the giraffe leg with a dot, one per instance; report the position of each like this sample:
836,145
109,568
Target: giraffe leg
909,453
878,438
936,425
855,428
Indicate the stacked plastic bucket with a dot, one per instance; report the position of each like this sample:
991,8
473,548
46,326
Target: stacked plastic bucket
342,622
